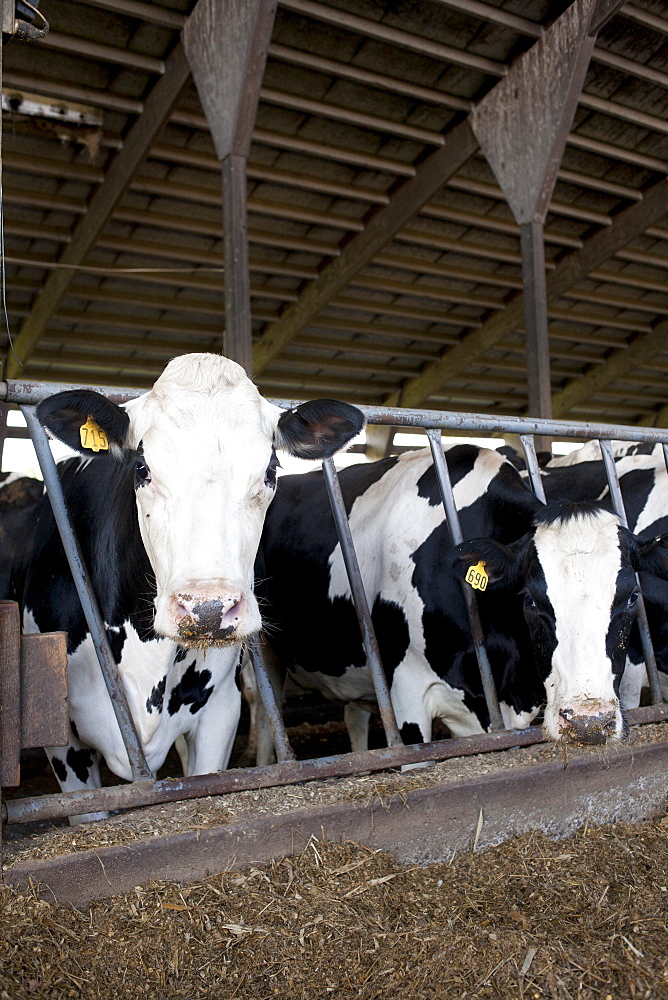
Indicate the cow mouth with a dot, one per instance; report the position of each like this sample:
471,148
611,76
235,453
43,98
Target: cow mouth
588,730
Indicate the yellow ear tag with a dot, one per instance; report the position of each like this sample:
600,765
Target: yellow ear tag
477,577
92,436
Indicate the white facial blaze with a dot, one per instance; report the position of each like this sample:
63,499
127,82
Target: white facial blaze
206,436
581,559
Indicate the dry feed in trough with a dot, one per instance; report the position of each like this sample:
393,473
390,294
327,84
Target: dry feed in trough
579,919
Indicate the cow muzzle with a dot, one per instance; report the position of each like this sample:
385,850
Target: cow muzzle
208,617
587,729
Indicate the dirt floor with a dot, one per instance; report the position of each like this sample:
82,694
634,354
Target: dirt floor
570,920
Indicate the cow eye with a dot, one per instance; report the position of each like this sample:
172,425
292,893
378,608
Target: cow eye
529,601
270,474
633,599
142,473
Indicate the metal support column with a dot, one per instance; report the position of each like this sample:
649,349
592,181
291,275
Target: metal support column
452,518
641,617
361,603
91,610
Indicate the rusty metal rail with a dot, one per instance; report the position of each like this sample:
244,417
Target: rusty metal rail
143,792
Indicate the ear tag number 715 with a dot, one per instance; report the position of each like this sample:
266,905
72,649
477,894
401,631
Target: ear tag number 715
92,436
477,577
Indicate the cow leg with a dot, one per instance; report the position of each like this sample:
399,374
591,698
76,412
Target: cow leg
181,747
77,767
633,680
410,689
211,739
356,719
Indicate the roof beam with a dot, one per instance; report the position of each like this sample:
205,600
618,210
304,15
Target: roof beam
639,352
626,226
406,201
157,109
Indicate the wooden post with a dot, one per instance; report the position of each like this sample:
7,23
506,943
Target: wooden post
226,45
522,127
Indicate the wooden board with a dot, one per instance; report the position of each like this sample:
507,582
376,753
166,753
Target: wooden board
10,694
44,705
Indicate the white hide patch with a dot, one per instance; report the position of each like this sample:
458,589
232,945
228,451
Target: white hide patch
581,559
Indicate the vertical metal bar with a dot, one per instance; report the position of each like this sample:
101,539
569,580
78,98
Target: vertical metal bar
529,449
452,518
238,339
257,649
641,617
4,412
369,640
539,384
91,610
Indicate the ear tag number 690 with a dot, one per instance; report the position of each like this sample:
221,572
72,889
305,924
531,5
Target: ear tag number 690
477,577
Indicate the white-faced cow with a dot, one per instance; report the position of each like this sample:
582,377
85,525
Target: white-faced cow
644,483
557,610
169,521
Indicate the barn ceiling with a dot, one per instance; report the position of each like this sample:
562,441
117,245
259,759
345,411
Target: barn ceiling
113,232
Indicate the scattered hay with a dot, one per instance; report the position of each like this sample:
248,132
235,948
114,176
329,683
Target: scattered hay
580,918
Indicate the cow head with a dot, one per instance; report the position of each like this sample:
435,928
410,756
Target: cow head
204,442
576,571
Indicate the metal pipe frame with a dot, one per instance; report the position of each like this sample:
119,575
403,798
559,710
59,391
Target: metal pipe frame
452,519
266,690
641,615
143,793
27,394
369,641
90,607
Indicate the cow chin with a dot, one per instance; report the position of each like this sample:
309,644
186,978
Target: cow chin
585,725
203,617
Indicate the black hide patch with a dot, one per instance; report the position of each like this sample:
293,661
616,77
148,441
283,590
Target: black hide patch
411,733
157,696
117,639
180,654
80,761
65,413
460,459
191,690
59,768
391,628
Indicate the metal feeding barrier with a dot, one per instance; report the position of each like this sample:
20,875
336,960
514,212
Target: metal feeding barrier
144,790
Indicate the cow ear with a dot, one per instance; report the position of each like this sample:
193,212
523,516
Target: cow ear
505,565
318,429
651,557
67,412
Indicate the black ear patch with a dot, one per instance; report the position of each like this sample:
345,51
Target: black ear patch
505,565
66,412
652,557
318,429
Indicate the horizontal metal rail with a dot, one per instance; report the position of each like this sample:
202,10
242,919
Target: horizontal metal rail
18,391
143,793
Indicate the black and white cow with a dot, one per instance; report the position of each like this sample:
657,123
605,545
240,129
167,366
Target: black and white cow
169,520
644,483
556,613
19,496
